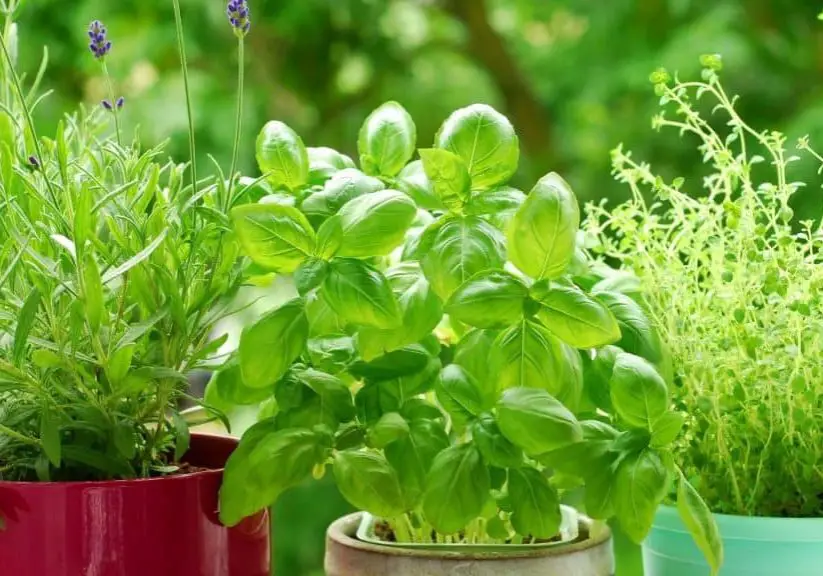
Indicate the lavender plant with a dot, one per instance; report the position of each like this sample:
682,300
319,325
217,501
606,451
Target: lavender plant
732,282
115,271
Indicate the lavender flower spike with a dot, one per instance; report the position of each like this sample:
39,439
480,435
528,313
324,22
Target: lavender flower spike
99,44
239,16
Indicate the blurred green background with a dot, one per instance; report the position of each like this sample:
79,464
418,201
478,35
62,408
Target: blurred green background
572,75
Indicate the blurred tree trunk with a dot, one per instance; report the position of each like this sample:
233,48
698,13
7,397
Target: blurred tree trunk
487,48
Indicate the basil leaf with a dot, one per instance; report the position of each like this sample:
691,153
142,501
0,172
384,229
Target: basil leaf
666,429
496,449
413,181
334,394
375,224
359,294
448,175
282,156
369,483
639,394
323,321
342,187
498,205
460,248
485,140
457,487
324,163
269,346
543,232
597,375
528,355
536,421
265,464
641,481
419,305
390,428
309,275
473,353
575,318
274,236
387,140
458,394
226,388
491,299
413,454
701,524
535,504
329,238
408,360
639,335
331,354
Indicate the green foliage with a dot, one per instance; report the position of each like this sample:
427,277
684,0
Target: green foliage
731,280
452,381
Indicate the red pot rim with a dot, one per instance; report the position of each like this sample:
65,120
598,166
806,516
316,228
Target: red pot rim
202,449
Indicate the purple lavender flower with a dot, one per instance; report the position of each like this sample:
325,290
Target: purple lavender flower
239,16
107,105
34,162
120,103
99,44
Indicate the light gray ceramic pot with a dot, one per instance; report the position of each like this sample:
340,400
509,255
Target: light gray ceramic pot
590,555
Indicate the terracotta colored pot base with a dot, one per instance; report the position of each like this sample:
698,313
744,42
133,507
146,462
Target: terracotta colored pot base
590,555
158,527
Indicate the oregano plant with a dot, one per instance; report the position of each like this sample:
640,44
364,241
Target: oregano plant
452,353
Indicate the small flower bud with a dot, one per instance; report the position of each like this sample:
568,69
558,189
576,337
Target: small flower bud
107,105
34,162
121,102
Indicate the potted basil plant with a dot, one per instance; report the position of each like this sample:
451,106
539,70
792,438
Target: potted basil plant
114,270
733,283
451,354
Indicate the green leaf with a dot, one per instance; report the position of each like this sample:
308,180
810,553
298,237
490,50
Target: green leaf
413,181
600,494
597,375
266,463
50,436
274,236
334,395
419,305
119,363
93,294
448,175
329,238
390,428
641,482
25,322
269,346
485,140
537,422
324,163
387,140
460,248
359,294
182,436
667,428
344,186
282,156
496,449
457,488
123,438
535,504
309,275
587,458
458,394
491,299
473,352
639,394
227,389
408,360
527,354
574,317
375,224
498,205
46,359
543,232
639,335
369,483
412,456
701,524
332,354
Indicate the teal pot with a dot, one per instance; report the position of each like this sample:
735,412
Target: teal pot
753,546
347,555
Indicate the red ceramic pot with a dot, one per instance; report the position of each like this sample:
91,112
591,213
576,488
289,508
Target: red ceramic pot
154,527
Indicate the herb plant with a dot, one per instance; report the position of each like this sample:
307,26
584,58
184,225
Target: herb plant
733,284
453,353
114,270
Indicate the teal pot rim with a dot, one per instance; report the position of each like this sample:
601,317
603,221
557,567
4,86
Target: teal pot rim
592,535
569,531
763,528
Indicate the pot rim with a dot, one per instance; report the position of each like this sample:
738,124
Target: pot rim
342,532
201,436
